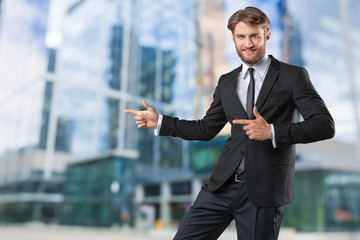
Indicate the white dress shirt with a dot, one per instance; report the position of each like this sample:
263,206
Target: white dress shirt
260,70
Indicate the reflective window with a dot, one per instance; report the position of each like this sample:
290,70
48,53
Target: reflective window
46,115
324,43
76,126
91,52
180,188
342,196
108,124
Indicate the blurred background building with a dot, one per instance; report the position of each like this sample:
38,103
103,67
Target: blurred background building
68,68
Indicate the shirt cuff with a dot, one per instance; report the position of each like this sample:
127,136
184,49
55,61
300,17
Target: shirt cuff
157,129
273,135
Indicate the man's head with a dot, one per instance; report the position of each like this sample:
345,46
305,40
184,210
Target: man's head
250,28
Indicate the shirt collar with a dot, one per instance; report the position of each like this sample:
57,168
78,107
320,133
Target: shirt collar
260,67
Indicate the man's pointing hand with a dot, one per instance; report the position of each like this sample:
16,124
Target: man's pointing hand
145,119
256,129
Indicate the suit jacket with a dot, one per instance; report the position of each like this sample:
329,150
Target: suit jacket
269,171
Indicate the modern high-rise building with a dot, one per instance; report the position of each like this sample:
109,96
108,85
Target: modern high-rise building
71,68
23,63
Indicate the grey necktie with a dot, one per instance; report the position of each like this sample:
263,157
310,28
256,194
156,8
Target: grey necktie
250,93
249,108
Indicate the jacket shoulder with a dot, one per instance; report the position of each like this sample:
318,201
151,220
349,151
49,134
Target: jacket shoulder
285,66
230,75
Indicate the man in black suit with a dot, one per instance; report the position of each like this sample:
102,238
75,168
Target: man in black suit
254,176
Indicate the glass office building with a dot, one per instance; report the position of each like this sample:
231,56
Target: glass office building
325,200
70,70
151,60
99,192
23,63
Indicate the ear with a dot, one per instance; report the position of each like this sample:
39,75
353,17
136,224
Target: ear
233,37
267,37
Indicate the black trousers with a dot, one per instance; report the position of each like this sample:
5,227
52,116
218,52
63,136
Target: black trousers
212,212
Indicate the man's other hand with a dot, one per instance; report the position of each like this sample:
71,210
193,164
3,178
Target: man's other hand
145,119
256,129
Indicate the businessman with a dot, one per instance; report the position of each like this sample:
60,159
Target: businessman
262,100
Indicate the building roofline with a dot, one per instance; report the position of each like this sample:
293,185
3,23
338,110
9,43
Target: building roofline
129,154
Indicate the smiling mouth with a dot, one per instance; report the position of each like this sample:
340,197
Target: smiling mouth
249,51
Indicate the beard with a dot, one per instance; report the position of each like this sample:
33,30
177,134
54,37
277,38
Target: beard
253,59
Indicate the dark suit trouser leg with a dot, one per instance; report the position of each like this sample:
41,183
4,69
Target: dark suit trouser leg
212,212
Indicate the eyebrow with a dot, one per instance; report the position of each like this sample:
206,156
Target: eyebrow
253,34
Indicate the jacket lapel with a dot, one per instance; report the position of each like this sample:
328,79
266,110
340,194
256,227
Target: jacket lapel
268,83
237,108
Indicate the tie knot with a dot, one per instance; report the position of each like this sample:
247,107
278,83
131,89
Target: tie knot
251,71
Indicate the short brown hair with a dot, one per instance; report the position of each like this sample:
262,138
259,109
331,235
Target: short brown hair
249,15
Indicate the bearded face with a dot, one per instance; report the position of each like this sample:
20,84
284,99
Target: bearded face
250,42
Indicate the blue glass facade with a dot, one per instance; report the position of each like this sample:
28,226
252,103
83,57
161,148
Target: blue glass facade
85,81
89,70
116,46
23,61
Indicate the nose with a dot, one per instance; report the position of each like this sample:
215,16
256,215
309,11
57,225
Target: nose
248,43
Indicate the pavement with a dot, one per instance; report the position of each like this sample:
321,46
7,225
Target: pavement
55,232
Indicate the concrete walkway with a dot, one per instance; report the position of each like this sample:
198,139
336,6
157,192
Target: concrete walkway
42,232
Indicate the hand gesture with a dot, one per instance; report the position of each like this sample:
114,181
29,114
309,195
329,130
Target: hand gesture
145,119
256,129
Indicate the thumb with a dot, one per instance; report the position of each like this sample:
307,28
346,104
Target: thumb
147,106
256,113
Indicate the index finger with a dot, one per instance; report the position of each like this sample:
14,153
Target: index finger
241,121
136,112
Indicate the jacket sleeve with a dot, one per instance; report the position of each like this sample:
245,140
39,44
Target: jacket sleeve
204,129
318,124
